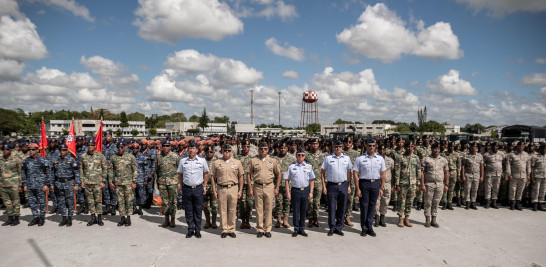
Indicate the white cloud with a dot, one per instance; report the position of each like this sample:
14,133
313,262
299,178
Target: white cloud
55,77
540,60
266,8
191,61
101,66
284,11
10,7
163,88
290,52
346,83
290,74
169,20
383,35
10,69
535,79
71,5
19,39
450,84
501,8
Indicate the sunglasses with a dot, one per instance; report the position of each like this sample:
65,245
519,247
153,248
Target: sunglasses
337,146
211,152
371,145
32,149
300,155
227,150
64,149
264,148
4,149
166,145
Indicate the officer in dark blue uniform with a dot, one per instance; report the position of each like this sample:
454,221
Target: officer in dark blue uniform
66,178
36,176
143,171
52,152
108,195
81,149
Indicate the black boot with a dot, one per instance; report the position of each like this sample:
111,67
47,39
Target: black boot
140,211
93,220
539,208
9,221
444,206
494,204
382,221
178,206
135,211
518,205
376,221
128,221
459,201
85,208
99,220
535,207
487,202
511,205
105,210
15,221
80,211
394,205
113,210
34,221
467,205
41,221
473,206
69,221
122,221
449,206
63,222
419,205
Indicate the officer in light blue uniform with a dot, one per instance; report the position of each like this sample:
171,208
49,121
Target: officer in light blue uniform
301,178
193,176
338,169
66,179
36,177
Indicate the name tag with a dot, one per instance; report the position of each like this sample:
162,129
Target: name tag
270,164
233,165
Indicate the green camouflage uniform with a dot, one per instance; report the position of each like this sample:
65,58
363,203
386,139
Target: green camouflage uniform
422,152
407,170
210,203
394,154
353,154
459,188
246,202
315,159
167,181
10,182
282,203
93,171
123,170
454,163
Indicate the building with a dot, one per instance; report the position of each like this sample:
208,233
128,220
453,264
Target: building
190,128
359,129
90,127
453,129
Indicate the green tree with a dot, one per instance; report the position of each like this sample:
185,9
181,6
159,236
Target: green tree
204,120
9,121
494,134
433,126
123,120
422,118
383,122
340,121
153,132
312,128
402,128
178,117
118,133
134,132
136,116
194,118
413,127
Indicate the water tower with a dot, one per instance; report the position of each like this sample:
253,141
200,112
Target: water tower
309,108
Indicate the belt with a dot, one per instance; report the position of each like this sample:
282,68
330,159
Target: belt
63,180
264,184
340,183
227,186
192,187
301,189
369,180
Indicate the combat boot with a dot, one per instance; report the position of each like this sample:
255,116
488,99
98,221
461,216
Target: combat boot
93,220
80,211
285,223
511,205
10,220
140,210
427,223
473,205
122,221
376,221
278,223
467,205
449,206
539,208
418,206
178,206
400,221
316,224
394,205
310,223
106,210
113,210
518,205
135,210
86,209
444,206
15,221
382,221
348,221
494,204
172,224
207,220
487,203
69,221
407,222
166,222
128,221
63,222
434,223
535,207
213,225
34,221
99,220
459,201
41,221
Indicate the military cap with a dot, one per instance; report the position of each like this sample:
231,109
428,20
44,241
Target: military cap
135,145
79,138
300,150
262,144
108,133
192,144
226,146
91,141
53,140
245,142
370,141
381,146
313,140
337,143
399,139
33,145
63,146
348,139
435,145
283,144
7,146
166,142
408,143
121,144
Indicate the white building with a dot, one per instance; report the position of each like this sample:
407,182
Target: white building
81,127
450,129
184,128
362,129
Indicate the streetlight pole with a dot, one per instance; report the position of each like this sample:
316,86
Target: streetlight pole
279,108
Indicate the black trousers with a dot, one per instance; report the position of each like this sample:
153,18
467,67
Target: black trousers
337,204
370,192
193,206
300,200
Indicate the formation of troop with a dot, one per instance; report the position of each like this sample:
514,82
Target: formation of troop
231,177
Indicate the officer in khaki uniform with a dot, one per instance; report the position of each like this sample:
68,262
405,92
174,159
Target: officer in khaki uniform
434,181
493,174
472,175
227,173
538,177
454,163
519,170
263,172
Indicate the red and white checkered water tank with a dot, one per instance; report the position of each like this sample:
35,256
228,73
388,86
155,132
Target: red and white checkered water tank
310,96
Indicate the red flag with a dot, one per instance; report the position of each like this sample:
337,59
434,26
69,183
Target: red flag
43,141
71,141
98,139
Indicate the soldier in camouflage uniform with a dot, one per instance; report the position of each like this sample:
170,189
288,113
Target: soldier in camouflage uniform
143,172
22,154
282,202
80,195
51,154
10,184
407,169
381,205
123,171
93,171
434,181
538,177
422,151
36,177
246,202
109,195
493,174
472,174
66,179
519,169
167,181
315,157
394,154
351,199
454,164
148,150
210,202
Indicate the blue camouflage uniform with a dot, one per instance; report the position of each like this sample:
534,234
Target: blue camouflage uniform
51,155
108,195
35,174
66,175
151,156
143,171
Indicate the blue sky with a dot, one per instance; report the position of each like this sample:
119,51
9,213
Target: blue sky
468,61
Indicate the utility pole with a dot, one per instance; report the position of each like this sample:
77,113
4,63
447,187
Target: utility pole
252,106
279,108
